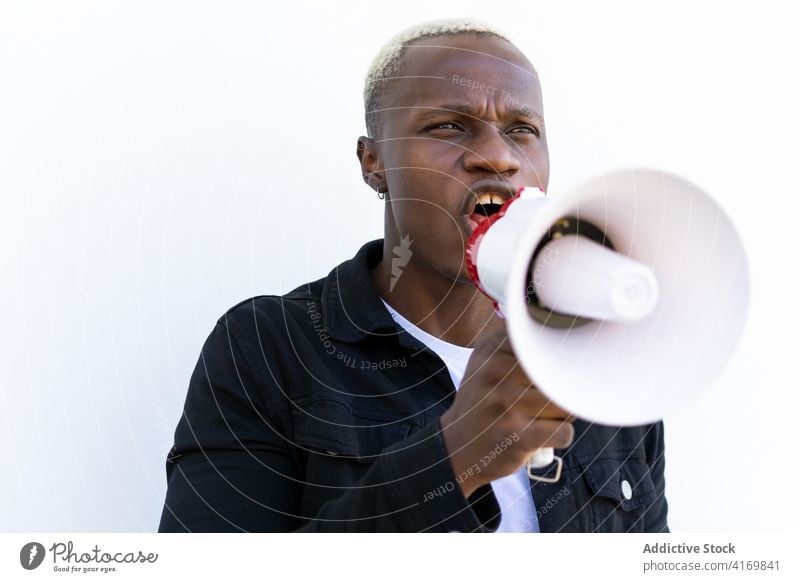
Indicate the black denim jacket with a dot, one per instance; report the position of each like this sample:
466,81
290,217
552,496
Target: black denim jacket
314,411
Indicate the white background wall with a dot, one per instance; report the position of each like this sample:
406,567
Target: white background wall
161,161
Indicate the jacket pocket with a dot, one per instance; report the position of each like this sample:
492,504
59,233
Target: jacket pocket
621,491
335,444
332,426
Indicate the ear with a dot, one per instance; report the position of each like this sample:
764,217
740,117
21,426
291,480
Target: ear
371,165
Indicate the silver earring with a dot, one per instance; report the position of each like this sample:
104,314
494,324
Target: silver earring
381,195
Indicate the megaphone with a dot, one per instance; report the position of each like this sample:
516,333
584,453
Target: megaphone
621,300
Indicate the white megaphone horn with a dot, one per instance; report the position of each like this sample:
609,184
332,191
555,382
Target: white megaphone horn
621,299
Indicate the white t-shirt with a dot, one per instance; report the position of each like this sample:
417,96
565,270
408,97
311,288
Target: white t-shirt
513,492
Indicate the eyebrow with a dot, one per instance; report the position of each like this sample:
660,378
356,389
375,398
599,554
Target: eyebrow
465,109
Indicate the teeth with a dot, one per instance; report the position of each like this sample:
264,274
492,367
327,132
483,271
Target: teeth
490,198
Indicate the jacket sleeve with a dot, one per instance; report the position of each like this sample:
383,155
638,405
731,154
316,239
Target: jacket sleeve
656,515
233,469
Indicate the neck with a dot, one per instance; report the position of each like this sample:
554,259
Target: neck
452,310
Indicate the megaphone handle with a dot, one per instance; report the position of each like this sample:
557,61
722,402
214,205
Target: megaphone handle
542,458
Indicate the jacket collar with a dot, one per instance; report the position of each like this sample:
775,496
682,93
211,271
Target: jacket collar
351,306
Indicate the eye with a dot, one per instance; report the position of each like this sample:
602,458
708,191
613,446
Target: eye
445,125
526,129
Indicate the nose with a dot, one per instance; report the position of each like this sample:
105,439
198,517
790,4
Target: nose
491,152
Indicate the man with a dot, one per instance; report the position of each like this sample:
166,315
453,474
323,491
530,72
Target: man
385,396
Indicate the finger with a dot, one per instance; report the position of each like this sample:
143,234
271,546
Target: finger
534,404
531,401
547,433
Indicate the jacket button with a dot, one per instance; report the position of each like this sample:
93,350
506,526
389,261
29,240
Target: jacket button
627,492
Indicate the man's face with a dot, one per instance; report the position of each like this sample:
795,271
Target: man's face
465,120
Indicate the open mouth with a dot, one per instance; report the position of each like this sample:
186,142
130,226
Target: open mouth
488,203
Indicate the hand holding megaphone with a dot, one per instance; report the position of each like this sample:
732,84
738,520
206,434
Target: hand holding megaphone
622,299
495,401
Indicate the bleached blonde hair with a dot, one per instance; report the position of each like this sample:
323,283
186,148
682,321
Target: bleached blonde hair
387,62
